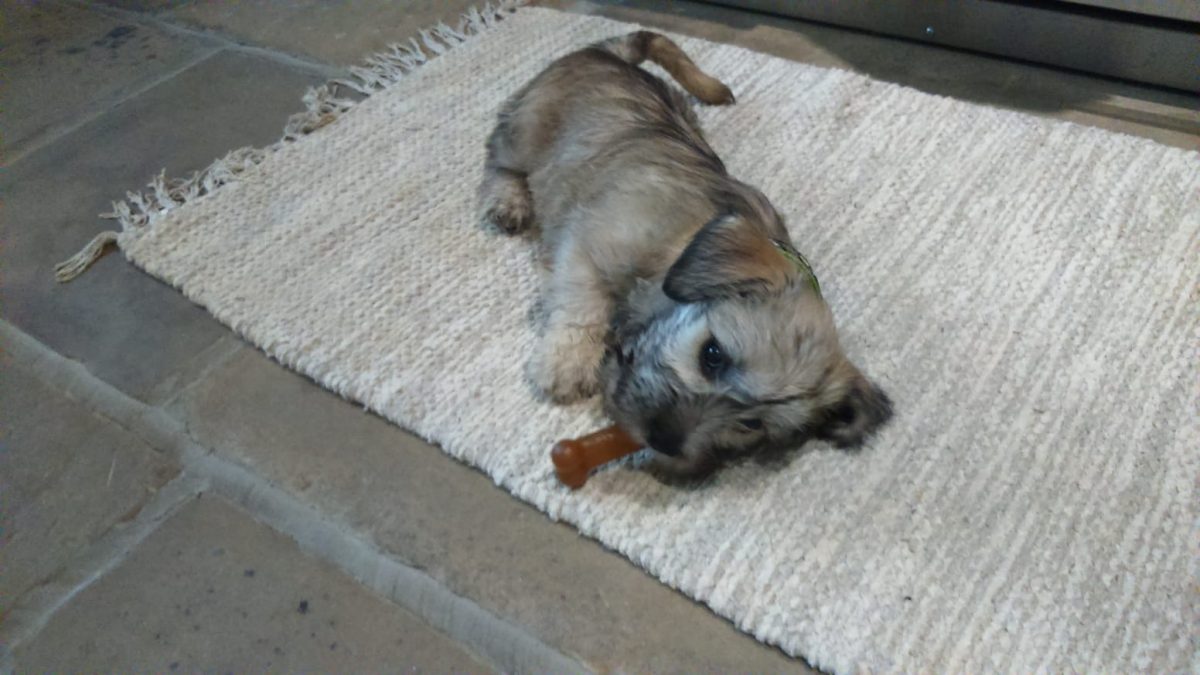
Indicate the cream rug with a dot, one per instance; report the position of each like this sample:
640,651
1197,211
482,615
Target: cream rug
1026,290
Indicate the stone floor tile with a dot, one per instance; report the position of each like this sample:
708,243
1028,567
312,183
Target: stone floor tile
214,591
67,477
64,63
339,33
148,6
129,329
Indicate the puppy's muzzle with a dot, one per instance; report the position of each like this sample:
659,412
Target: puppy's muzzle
666,435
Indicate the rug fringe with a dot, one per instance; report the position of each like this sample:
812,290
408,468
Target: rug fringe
322,106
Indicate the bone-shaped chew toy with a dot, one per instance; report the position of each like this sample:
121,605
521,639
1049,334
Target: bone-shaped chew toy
574,459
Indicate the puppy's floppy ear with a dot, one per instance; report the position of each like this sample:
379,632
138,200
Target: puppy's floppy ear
729,256
860,412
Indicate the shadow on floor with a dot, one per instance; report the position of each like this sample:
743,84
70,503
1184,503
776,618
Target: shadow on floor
933,69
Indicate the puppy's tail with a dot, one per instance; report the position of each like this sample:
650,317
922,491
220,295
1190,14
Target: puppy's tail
641,45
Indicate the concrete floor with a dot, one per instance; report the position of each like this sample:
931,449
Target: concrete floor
170,499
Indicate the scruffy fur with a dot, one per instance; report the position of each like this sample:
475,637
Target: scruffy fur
653,255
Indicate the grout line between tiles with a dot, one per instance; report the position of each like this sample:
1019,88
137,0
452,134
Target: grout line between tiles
504,645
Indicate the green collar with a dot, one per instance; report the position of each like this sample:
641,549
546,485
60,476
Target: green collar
797,258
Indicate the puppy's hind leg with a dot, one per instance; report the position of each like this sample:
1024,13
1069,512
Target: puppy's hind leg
504,199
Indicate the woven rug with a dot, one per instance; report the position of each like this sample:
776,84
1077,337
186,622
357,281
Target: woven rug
1026,290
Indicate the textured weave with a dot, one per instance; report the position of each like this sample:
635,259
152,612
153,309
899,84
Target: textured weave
1026,290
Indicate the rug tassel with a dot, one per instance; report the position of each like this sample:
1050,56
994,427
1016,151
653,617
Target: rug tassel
78,263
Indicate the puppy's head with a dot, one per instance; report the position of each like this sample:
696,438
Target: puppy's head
734,352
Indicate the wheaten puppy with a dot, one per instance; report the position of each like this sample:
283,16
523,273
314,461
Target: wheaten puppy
671,287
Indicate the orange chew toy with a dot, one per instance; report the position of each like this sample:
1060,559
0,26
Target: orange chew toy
574,459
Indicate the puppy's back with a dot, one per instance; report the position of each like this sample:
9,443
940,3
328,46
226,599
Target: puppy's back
597,99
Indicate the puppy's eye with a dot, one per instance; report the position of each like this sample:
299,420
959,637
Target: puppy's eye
712,359
753,424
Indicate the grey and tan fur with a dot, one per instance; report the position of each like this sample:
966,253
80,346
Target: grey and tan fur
667,287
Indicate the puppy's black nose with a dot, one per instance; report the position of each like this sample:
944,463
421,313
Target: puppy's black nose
665,436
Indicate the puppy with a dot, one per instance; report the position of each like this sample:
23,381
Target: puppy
671,287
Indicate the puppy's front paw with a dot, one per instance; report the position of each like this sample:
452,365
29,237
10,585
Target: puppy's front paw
566,366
